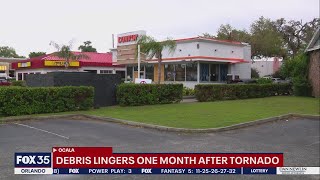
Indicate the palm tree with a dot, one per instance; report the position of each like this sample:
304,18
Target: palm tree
153,49
64,52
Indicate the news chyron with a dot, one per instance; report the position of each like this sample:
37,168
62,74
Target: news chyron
102,160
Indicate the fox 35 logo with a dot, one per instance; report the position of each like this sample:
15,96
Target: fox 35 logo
32,159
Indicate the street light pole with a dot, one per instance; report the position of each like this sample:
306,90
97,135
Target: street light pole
138,61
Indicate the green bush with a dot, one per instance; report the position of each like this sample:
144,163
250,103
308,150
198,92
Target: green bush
188,91
18,83
143,94
264,81
214,92
27,100
301,87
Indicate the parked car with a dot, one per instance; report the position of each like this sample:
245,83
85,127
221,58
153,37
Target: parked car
278,81
4,82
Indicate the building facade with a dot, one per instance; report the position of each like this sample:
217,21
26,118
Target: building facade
195,60
313,50
267,66
6,70
100,63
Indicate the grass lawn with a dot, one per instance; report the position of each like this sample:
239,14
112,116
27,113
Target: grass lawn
210,114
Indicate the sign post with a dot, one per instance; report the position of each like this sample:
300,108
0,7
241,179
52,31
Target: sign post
138,61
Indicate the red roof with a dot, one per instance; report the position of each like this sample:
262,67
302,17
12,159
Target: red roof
94,59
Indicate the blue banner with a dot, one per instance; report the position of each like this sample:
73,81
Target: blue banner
146,171
259,170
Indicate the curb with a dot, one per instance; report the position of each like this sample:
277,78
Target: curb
163,128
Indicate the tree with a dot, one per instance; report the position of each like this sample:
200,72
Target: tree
227,32
265,40
295,34
254,73
9,52
295,67
87,47
208,35
153,49
36,54
64,52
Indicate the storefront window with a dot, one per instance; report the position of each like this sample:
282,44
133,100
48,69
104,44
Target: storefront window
180,72
169,73
19,76
214,72
204,72
129,73
223,72
24,76
191,71
149,71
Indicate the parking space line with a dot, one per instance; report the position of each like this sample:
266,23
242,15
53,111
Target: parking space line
31,127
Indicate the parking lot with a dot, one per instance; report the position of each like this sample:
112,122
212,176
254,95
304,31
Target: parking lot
298,139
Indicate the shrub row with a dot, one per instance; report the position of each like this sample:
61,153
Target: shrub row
18,83
302,90
188,91
239,91
143,94
27,100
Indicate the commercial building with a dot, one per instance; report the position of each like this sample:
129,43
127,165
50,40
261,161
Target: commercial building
100,63
195,60
6,70
267,66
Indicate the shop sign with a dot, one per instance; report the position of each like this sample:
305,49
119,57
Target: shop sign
129,38
24,64
61,63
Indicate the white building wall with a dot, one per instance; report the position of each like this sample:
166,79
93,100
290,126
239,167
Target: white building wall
242,69
183,49
264,66
221,50
210,49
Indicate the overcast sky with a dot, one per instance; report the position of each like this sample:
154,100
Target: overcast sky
29,25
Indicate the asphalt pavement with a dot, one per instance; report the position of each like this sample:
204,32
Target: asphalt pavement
298,139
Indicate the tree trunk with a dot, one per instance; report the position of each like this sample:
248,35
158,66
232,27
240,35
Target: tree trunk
159,70
66,63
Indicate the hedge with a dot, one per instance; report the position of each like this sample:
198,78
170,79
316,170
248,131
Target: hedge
35,100
214,92
302,90
144,94
18,83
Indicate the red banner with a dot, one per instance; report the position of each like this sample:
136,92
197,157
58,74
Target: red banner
103,157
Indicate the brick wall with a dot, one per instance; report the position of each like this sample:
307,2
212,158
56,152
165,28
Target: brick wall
314,72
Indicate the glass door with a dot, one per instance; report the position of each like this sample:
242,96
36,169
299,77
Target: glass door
204,72
214,72
223,72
